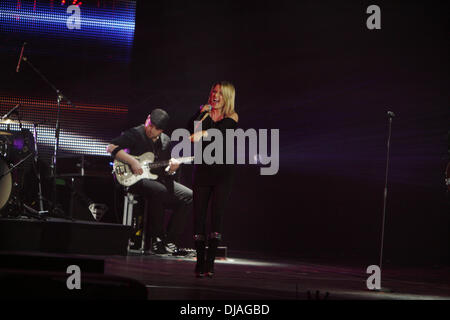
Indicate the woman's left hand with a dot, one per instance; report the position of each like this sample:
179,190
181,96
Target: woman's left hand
174,165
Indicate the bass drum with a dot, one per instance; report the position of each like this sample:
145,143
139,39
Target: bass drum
5,184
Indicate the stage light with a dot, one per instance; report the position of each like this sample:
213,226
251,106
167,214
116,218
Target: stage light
81,132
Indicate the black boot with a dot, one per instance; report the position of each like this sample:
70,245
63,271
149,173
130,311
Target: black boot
200,244
213,243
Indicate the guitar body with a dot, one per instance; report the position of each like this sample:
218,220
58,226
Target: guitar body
124,174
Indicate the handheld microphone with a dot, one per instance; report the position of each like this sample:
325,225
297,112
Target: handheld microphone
208,109
6,116
20,57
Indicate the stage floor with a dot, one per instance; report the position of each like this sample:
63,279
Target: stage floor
241,277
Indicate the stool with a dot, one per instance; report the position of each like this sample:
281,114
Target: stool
137,219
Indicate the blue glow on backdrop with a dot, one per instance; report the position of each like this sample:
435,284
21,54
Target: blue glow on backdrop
109,25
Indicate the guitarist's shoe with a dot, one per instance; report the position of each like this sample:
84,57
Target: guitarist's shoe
171,247
174,250
158,246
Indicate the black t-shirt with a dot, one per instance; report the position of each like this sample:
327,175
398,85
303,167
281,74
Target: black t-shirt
137,143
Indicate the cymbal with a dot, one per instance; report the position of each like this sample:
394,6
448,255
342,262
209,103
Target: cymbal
12,121
4,133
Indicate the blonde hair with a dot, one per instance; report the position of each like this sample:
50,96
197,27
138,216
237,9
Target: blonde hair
229,94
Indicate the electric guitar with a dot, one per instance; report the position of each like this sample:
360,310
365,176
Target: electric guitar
125,176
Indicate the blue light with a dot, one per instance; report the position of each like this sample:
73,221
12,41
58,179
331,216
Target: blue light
115,25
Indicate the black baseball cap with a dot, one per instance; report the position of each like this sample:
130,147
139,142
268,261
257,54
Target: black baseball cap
159,118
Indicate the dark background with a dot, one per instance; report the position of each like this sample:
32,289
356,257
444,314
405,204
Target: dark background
90,66
313,70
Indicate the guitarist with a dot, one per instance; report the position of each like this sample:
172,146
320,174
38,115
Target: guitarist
161,193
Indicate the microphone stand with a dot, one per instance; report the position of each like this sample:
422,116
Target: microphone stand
59,98
390,116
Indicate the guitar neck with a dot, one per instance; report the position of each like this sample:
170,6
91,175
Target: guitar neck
158,164
165,163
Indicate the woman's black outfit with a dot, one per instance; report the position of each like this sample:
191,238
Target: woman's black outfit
210,183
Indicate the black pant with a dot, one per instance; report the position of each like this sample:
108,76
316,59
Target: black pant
219,195
170,194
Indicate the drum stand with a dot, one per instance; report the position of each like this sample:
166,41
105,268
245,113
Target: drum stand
38,176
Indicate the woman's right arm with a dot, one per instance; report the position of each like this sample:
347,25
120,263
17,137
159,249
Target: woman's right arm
198,116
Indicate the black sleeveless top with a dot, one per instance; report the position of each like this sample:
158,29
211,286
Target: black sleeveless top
213,174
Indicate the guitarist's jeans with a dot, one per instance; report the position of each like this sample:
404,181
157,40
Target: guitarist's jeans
170,194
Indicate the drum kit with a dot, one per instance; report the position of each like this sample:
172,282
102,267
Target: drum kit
17,148
20,178
18,158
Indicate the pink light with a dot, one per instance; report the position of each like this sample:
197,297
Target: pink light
19,6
